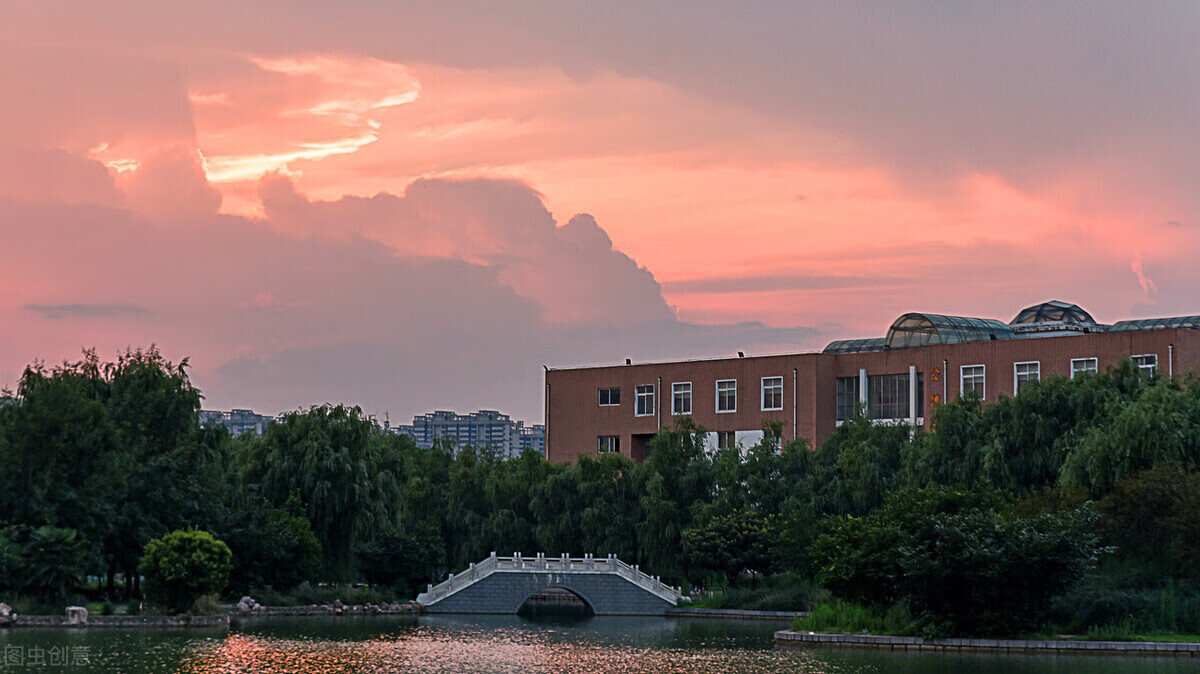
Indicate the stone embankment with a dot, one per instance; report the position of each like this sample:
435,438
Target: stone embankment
735,613
247,607
77,616
790,638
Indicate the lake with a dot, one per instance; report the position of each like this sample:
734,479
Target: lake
500,644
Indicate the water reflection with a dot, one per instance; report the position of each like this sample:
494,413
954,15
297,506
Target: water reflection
514,644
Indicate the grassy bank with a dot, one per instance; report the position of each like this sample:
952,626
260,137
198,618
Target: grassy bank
783,592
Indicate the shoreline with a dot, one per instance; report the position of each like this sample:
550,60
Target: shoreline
1034,646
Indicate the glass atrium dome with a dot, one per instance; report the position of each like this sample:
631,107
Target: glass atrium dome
1192,322
1053,311
856,345
924,329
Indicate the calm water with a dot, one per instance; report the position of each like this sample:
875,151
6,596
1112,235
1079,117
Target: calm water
499,644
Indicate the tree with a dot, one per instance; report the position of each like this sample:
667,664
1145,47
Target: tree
961,559
52,562
1154,518
403,561
184,565
334,457
730,544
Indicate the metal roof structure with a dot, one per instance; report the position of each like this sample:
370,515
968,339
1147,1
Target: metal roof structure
924,329
1192,322
1053,311
856,345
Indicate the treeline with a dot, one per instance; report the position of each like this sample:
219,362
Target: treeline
1075,502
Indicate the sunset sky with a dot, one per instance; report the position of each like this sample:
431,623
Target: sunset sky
415,205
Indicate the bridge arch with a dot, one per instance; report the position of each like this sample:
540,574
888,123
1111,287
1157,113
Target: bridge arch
546,602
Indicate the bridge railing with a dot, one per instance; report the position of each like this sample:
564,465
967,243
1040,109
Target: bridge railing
541,563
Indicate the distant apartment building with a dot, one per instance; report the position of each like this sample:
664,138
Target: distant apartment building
237,421
485,428
923,361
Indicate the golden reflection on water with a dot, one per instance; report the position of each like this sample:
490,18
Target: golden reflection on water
427,649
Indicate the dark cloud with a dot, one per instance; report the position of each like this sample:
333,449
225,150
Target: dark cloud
61,311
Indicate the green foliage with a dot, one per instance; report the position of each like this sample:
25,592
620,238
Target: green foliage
1154,517
183,565
837,616
206,604
403,561
780,592
335,458
52,562
960,560
731,543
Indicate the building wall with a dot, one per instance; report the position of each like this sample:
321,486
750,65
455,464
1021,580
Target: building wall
575,420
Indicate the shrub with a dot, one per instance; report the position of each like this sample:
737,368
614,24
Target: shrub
206,604
963,563
107,608
836,616
1155,517
183,565
732,543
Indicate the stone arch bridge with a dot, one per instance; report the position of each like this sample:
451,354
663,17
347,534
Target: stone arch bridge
502,584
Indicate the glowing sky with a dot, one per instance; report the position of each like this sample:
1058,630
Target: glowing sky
415,205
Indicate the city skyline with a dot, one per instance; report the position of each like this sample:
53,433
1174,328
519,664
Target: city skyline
417,207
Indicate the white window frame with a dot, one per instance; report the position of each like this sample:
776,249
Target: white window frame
638,394
1142,368
616,444
731,435
762,394
1016,382
962,379
1093,360
717,398
676,389
608,388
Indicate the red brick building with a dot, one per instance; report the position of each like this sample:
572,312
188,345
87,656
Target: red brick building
925,359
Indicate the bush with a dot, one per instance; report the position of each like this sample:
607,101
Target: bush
835,616
402,561
183,565
783,592
206,604
107,608
961,561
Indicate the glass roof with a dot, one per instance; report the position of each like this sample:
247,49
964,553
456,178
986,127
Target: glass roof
924,329
1192,322
856,345
1054,310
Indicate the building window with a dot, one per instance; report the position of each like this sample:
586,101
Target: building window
1147,364
608,444
887,396
772,393
973,378
727,395
726,439
1025,373
847,398
1083,366
643,399
681,397
610,396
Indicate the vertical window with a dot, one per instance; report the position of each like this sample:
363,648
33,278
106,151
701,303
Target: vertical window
772,393
727,395
887,396
1024,374
610,396
607,444
1147,364
726,439
1083,366
973,379
847,398
643,398
681,397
